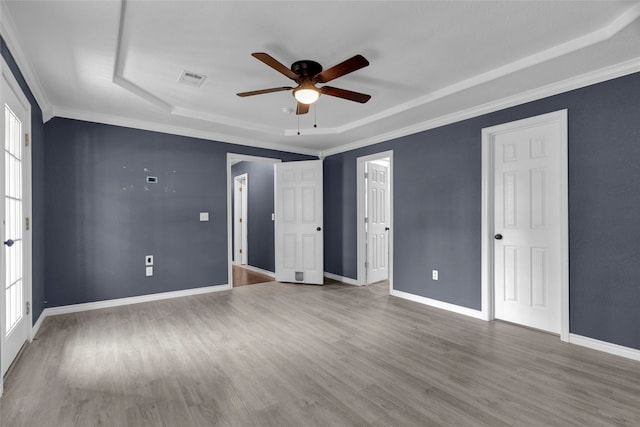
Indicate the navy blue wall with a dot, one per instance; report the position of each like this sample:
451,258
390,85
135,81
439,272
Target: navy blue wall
37,176
261,238
103,218
437,193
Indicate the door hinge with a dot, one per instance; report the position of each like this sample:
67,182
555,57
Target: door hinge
26,139
28,307
27,223
366,175
240,189
240,219
366,264
240,250
366,219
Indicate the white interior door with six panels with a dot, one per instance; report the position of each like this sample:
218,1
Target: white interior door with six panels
527,212
299,243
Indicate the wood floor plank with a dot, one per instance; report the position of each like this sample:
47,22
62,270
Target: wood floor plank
294,355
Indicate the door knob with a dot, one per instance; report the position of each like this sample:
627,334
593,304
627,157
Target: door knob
498,236
386,229
318,229
9,242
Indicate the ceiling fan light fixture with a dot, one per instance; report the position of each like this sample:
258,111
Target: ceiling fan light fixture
306,95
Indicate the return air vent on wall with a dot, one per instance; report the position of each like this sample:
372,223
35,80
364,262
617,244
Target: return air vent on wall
190,78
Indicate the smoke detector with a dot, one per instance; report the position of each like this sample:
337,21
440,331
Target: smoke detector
191,78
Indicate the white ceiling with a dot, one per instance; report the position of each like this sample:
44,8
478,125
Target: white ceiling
432,62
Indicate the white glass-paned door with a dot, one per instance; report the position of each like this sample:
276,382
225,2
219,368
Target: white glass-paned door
14,295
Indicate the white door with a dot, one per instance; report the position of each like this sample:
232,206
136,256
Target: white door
377,221
298,227
528,226
15,322
240,219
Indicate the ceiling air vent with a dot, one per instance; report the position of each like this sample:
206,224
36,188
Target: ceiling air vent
190,78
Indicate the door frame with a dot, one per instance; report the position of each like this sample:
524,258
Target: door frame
233,158
8,76
360,210
244,215
488,186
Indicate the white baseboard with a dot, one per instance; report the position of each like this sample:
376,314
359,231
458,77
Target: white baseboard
36,327
607,347
260,271
342,279
439,304
75,308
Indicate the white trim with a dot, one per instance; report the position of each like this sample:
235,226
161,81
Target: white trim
128,122
244,215
346,280
233,158
607,347
260,271
38,324
596,36
554,52
7,27
76,308
586,79
560,117
361,254
577,82
438,304
119,79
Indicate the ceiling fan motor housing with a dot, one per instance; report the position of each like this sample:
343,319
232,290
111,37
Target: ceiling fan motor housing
306,68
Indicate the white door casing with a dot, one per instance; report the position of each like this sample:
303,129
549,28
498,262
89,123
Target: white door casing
240,210
15,179
361,208
299,232
233,158
377,221
526,267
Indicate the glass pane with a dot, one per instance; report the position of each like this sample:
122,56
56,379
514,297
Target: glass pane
13,219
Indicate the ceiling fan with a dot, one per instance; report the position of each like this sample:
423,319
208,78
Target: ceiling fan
306,74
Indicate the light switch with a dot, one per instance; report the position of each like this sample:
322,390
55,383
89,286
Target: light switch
148,260
149,271
204,216
434,274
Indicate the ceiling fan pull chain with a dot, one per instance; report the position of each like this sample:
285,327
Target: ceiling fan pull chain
315,115
298,116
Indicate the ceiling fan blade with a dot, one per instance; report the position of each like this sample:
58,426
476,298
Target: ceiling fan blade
345,67
261,91
302,108
345,94
275,64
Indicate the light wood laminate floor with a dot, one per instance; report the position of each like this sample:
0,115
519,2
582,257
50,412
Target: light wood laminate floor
293,355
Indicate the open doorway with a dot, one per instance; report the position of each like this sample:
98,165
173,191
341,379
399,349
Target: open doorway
375,218
250,226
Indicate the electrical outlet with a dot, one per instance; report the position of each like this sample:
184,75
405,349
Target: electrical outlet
149,271
148,260
204,216
434,274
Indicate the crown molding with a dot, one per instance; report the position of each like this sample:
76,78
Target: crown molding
175,130
7,27
592,38
583,80
119,79
595,37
